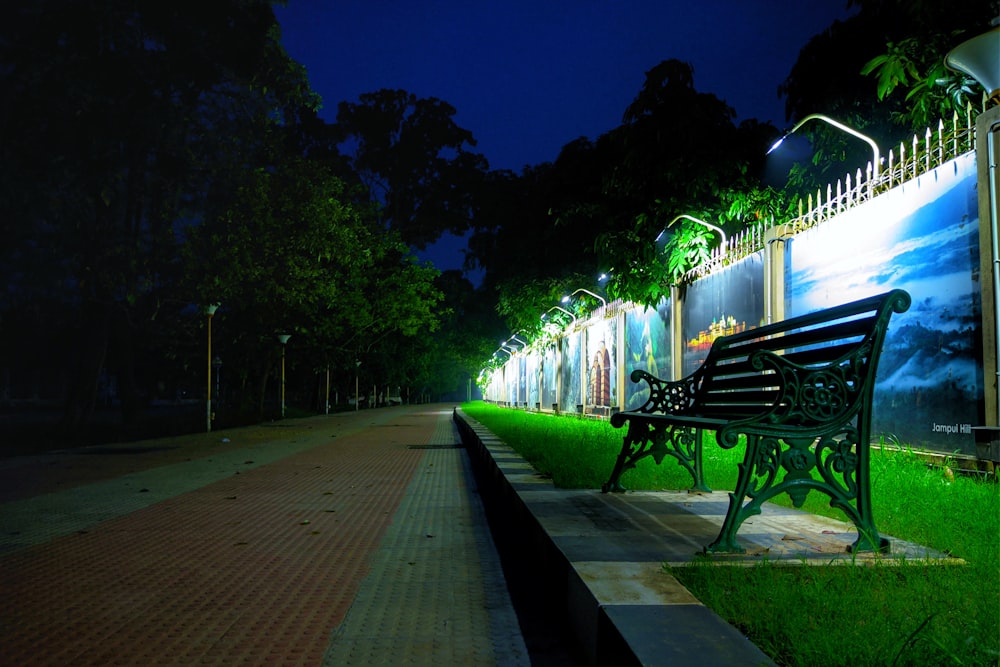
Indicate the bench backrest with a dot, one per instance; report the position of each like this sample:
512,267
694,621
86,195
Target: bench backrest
806,370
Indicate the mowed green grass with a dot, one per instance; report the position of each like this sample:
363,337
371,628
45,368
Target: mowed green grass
896,614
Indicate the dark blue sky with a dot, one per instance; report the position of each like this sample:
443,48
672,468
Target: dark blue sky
529,76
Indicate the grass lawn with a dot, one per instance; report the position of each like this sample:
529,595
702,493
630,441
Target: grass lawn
890,614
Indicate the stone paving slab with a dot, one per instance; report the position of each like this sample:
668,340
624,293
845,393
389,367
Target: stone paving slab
623,605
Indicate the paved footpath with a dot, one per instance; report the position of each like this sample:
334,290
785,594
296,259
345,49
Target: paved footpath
349,539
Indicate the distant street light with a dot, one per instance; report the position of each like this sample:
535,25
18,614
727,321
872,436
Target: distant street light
877,159
560,309
722,246
515,338
283,339
600,298
210,312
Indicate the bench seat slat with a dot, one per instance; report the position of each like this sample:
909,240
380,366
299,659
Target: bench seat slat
803,414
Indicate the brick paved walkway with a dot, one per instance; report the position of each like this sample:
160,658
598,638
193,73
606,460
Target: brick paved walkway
254,553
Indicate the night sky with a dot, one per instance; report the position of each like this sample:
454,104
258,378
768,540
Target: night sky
528,76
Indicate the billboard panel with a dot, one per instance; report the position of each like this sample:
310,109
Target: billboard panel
726,302
602,368
922,237
647,347
571,373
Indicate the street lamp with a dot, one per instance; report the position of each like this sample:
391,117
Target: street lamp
283,339
978,57
876,164
722,246
515,338
560,309
210,312
600,298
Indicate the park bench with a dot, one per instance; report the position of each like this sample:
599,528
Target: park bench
796,393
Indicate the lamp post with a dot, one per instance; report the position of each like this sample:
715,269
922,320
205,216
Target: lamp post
283,339
877,159
978,57
210,312
600,298
514,337
685,216
560,309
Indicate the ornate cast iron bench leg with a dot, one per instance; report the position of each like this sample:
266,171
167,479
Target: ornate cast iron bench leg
773,465
646,437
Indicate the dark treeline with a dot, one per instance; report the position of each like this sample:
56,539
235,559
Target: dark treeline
156,158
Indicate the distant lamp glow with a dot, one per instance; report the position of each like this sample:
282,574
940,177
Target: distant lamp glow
876,159
684,216
979,57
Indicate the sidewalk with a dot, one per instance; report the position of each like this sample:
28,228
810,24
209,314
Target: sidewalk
352,539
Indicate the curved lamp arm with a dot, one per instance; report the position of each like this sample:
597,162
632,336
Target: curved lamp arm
600,298
840,126
561,309
700,222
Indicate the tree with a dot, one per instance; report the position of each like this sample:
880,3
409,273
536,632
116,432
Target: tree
117,117
414,160
294,254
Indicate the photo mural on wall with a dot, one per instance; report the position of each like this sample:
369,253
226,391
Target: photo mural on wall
602,369
549,369
531,375
922,237
647,347
720,304
570,375
522,384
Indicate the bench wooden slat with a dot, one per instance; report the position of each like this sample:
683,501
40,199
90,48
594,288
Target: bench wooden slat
797,392
792,340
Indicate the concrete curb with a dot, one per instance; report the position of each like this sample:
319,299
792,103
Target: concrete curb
620,610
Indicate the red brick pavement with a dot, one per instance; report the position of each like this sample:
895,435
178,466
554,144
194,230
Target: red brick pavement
257,569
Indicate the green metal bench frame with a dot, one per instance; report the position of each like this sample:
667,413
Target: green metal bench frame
797,392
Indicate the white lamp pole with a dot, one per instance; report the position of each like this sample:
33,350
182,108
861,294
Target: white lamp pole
600,298
877,159
283,339
685,216
210,312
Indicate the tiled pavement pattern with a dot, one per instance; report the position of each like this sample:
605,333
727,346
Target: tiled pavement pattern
439,545
252,555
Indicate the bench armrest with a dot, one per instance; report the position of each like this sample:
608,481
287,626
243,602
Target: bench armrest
665,396
816,396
